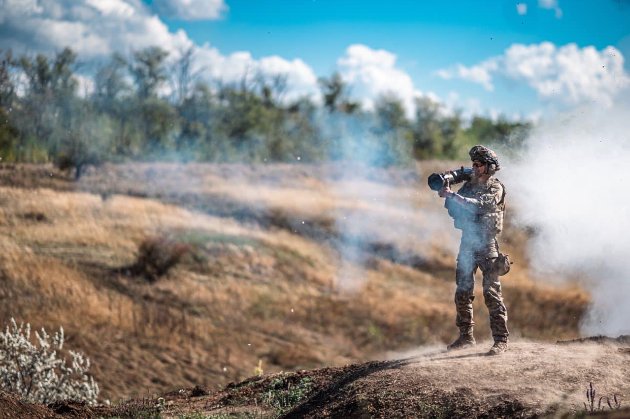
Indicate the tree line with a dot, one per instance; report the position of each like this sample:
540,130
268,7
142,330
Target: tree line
147,107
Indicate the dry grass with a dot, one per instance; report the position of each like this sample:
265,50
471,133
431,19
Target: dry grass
298,267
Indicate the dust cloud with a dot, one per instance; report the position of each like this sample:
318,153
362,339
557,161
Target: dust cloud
571,185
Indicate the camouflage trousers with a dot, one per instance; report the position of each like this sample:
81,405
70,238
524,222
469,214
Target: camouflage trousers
468,261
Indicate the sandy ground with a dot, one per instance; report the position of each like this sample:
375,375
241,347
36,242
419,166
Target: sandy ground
537,374
530,380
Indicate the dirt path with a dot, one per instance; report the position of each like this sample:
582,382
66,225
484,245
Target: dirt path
530,379
535,373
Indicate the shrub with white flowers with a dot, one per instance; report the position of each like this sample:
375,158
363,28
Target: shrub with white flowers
36,373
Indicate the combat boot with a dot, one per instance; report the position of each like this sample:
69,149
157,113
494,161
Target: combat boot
465,340
498,348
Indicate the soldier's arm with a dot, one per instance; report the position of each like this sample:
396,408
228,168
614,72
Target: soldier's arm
469,204
485,203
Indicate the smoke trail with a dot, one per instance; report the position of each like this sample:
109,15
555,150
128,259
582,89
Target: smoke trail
350,144
377,215
572,185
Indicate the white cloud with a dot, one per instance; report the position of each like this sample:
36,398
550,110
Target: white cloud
372,73
521,8
85,85
190,9
96,28
567,74
480,73
299,75
112,7
551,4
300,78
93,28
19,6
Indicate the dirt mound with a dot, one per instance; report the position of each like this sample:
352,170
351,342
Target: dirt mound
532,379
11,407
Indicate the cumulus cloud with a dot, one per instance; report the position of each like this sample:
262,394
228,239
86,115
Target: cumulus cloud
481,73
551,4
93,28
97,28
567,74
372,73
299,77
190,9
521,8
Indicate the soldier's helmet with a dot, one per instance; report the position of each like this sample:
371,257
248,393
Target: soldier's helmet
485,155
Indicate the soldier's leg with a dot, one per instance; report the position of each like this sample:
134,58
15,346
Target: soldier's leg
464,294
494,301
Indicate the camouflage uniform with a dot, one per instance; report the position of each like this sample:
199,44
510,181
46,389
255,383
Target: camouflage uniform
480,218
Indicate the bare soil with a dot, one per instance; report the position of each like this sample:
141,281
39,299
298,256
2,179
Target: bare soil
531,379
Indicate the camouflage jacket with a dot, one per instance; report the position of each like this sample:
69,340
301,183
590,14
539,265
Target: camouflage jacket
483,210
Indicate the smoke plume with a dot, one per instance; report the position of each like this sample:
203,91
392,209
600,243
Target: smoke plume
378,210
571,185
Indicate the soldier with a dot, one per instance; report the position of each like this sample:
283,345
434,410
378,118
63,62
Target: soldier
477,209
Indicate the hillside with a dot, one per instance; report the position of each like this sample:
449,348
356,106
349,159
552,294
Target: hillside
283,267
531,380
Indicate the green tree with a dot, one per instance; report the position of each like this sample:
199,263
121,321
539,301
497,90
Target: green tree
241,119
87,140
47,106
155,116
336,95
196,119
452,136
392,131
428,140
511,135
149,72
302,132
113,97
36,111
183,77
8,132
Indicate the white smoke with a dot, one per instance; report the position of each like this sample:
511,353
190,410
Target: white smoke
572,185
379,213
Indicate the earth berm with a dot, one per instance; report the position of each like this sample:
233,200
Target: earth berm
531,379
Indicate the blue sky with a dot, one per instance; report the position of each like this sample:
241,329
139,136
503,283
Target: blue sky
432,32
425,36
515,58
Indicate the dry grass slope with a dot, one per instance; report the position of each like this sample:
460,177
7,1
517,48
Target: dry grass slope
297,266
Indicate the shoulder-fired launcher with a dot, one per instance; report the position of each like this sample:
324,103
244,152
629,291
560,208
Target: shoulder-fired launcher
439,180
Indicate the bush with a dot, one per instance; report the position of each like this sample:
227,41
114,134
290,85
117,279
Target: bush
282,394
157,255
34,372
